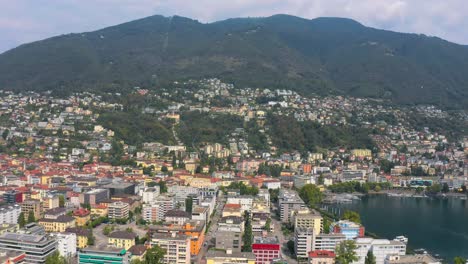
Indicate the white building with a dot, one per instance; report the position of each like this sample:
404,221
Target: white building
9,214
245,201
157,209
66,244
177,247
265,194
303,242
272,184
328,242
150,194
381,248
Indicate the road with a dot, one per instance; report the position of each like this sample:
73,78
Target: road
285,254
211,232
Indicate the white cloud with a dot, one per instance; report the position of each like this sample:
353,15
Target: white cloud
29,20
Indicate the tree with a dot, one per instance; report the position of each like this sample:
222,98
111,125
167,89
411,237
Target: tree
5,134
370,258
61,201
268,224
107,230
31,217
21,220
247,238
164,169
352,216
90,238
155,255
459,260
188,205
311,194
55,258
290,246
162,187
345,252
445,188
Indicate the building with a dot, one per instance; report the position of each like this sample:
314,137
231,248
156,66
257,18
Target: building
303,242
245,202
54,213
177,247
60,224
289,201
361,153
150,194
118,210
120,188
82,216
350,229
411,259
229,240
194,230
122,239
266,249
231,224
12,228
94,196
327,242
12,197
308,219
232,210
36,247
103,255
137,252
66,244
9,214
156,210
200,213
82,235
381,248
12,256
221,257
321,257
32,206
50,202
99,210
177,217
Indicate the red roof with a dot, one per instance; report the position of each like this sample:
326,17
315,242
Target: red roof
321,254
81,212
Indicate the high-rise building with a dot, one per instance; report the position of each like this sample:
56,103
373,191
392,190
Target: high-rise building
308,219
303,242
288,202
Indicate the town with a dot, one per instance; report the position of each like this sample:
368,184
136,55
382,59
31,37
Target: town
205,172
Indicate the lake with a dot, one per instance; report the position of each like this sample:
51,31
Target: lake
438,225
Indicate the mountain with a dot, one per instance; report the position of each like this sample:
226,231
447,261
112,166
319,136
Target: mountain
323,56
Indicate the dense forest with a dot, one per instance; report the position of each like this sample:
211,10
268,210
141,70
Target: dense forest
287,133
196,127
135,128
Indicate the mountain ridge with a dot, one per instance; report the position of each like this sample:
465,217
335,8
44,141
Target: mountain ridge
322,55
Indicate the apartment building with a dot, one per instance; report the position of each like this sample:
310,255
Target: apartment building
9,214
308,219
118,210
381,248
289,201
266,249
177,247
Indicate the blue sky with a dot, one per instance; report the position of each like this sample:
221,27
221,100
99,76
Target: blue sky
23,21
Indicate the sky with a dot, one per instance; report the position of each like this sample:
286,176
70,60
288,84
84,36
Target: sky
23,21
